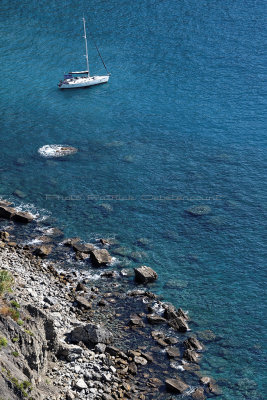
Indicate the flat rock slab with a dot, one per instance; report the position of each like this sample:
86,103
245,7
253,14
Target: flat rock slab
176,385
145,274
100,257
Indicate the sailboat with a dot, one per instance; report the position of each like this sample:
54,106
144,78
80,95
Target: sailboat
74,80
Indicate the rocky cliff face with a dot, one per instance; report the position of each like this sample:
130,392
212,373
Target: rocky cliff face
26,357
63,338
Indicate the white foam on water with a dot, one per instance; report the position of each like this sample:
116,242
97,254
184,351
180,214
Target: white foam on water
176,365
114,261
34,241
190,390
56,150
158,309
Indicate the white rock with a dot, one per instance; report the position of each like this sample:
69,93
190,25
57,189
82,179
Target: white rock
80,384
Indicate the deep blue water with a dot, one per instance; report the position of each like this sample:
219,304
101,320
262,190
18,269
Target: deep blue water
180,123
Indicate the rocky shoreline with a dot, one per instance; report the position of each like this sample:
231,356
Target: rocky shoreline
69,337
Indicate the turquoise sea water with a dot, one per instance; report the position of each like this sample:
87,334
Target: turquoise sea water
180,123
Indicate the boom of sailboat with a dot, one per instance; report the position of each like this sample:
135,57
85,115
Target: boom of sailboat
71,80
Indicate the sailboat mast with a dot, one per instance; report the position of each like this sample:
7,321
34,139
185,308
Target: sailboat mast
86,49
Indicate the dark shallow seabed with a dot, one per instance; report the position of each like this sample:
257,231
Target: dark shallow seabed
180,123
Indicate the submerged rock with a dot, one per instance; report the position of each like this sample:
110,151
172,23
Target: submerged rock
193,344
199,210
176,385
175,284
207,335
19,194
145,274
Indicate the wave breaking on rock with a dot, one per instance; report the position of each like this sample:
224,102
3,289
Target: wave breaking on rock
56,150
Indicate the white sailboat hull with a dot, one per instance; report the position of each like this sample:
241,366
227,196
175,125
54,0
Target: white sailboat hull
79,82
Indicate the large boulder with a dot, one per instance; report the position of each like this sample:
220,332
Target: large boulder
100,257
176,385
91,334
145,274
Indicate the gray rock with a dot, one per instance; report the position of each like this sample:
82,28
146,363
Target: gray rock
100,348
176,385
145,274
80,384
100,257
91,334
